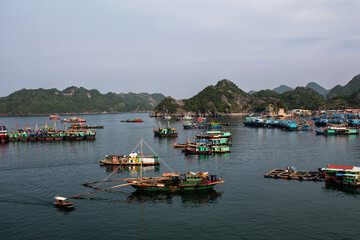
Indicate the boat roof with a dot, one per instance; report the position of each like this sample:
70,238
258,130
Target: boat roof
341,168
60,198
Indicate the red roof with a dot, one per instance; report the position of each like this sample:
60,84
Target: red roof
340,167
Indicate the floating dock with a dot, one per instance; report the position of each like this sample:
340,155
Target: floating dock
301,175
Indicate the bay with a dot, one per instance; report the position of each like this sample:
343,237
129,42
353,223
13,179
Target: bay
246,206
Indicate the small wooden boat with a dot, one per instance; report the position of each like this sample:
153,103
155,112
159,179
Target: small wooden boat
54,117
62,203
197,149
136,120
73,120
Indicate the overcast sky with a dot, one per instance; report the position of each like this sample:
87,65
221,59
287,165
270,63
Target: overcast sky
177,47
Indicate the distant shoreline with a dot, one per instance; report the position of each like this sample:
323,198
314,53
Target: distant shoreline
66,114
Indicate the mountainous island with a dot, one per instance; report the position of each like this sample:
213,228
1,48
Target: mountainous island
74,100
226,98
223,98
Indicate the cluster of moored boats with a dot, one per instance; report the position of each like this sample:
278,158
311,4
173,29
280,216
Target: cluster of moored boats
45,134
287,124
211,142
343,175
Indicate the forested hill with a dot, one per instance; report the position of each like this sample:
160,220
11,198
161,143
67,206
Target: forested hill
75,100
225,97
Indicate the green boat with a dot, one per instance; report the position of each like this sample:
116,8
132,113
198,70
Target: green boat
174,182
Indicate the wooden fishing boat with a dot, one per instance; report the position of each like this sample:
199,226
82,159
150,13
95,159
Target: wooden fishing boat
54,117
23,136
90,135
136,120
4,138
345,175
220,149
174,182
214,134
198,149
73,120
62,203
33,136
132,159
14,137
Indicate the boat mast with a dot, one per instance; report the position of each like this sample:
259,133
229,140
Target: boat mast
141,147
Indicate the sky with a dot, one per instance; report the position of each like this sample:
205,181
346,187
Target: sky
177,47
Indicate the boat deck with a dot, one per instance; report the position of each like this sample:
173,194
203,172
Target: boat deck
301,175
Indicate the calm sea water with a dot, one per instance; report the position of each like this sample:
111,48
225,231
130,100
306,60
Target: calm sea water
246,206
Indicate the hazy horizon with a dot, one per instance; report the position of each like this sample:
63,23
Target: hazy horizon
177,48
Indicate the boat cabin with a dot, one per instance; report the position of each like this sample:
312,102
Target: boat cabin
334,170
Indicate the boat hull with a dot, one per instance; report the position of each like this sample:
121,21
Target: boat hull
159,188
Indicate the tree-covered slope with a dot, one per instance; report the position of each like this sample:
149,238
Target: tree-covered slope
75,100
303,98
349,88
317,88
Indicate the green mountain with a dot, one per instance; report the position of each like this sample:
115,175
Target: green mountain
317,88
282,89
223,98
349,88
75,100
303,98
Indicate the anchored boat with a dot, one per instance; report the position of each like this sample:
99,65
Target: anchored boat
174,182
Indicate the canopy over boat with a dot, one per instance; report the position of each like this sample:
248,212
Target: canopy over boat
60,198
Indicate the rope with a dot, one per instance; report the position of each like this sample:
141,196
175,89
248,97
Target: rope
166,165
136,146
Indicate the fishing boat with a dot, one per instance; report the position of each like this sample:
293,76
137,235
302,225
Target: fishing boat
214,135
54,117
333,130
14,136
175,182
133,158
197,149
345,175
4,138
79,126
23,135
136,120
73,120
62,203
90,135
220,149
165,132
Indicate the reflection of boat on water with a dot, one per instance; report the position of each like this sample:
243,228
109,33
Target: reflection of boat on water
117,168
203,197
342,188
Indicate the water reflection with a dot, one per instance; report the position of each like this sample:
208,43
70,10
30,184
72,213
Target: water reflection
195,198
64,211
131,169
342,188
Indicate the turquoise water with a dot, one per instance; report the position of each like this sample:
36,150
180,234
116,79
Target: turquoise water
246,206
